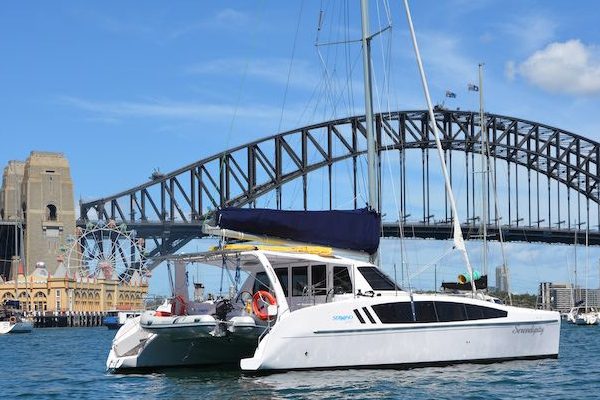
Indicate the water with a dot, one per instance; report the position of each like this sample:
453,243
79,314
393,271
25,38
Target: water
69,363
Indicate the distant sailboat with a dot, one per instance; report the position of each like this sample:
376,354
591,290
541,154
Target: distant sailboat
581,313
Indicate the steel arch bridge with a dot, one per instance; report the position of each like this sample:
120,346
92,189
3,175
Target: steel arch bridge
169,209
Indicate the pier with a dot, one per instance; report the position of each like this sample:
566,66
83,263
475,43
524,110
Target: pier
68,320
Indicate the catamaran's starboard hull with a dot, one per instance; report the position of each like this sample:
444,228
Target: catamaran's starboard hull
288,346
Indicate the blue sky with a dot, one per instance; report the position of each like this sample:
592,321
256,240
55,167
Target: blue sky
125,87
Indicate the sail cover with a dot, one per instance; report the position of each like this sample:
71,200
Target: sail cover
357,230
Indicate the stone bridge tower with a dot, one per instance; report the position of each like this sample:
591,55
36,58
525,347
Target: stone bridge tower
48,207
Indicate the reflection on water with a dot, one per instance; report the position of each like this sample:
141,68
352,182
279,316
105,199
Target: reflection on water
69,363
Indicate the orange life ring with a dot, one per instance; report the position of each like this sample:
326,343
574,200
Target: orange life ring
262,296
13,319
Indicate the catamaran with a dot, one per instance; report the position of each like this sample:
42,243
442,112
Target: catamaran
304,307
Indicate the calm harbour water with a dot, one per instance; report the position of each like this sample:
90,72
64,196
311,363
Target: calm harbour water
69,363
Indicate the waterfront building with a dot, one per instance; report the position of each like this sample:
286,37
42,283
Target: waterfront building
61,292
562,296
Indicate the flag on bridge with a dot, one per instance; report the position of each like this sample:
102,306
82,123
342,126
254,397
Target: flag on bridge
473,88
450,94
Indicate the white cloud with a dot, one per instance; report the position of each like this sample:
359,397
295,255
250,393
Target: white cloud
569,67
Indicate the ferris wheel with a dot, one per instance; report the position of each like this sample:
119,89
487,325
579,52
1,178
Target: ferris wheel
107,251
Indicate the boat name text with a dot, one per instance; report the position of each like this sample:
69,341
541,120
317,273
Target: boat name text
533,330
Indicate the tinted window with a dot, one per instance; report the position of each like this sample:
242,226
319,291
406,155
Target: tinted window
480,312
318,280
299,280
282,275
447,311
425,311
261,282
377,279
394,313
341,280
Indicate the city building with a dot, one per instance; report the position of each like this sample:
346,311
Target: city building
501,279
562,296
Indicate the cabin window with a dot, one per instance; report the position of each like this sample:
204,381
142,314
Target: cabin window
377,279
478,312
448,311
282,275
429,311
318,280
341,280
425,311
299,280
394,313
261,282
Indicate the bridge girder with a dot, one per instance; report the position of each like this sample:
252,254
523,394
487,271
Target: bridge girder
179,201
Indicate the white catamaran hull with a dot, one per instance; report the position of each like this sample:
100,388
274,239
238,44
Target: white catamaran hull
308,341
23,326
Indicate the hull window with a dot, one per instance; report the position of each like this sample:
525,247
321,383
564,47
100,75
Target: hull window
425,311
479,312
448,312
430,311
394,313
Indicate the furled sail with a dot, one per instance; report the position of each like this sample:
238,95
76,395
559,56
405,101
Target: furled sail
357,230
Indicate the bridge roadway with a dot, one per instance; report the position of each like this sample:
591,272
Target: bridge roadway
188,230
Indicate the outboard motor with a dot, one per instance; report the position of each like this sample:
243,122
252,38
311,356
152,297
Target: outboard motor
223,307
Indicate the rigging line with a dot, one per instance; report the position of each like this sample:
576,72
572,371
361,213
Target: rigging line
434,262
492,173
348,60
287,83
458,239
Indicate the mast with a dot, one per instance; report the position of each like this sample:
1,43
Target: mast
587,260
484,172
371,141
459,242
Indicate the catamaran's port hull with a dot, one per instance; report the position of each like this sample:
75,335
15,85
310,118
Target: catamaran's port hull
406,347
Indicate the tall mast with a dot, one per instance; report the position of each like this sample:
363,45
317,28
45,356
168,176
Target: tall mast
484,172
459,242
371,142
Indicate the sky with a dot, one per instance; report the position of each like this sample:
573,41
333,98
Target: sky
122,88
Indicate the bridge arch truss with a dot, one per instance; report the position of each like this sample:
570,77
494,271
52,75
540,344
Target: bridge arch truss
170,209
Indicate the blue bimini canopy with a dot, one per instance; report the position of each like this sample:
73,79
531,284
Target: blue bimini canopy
357,230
